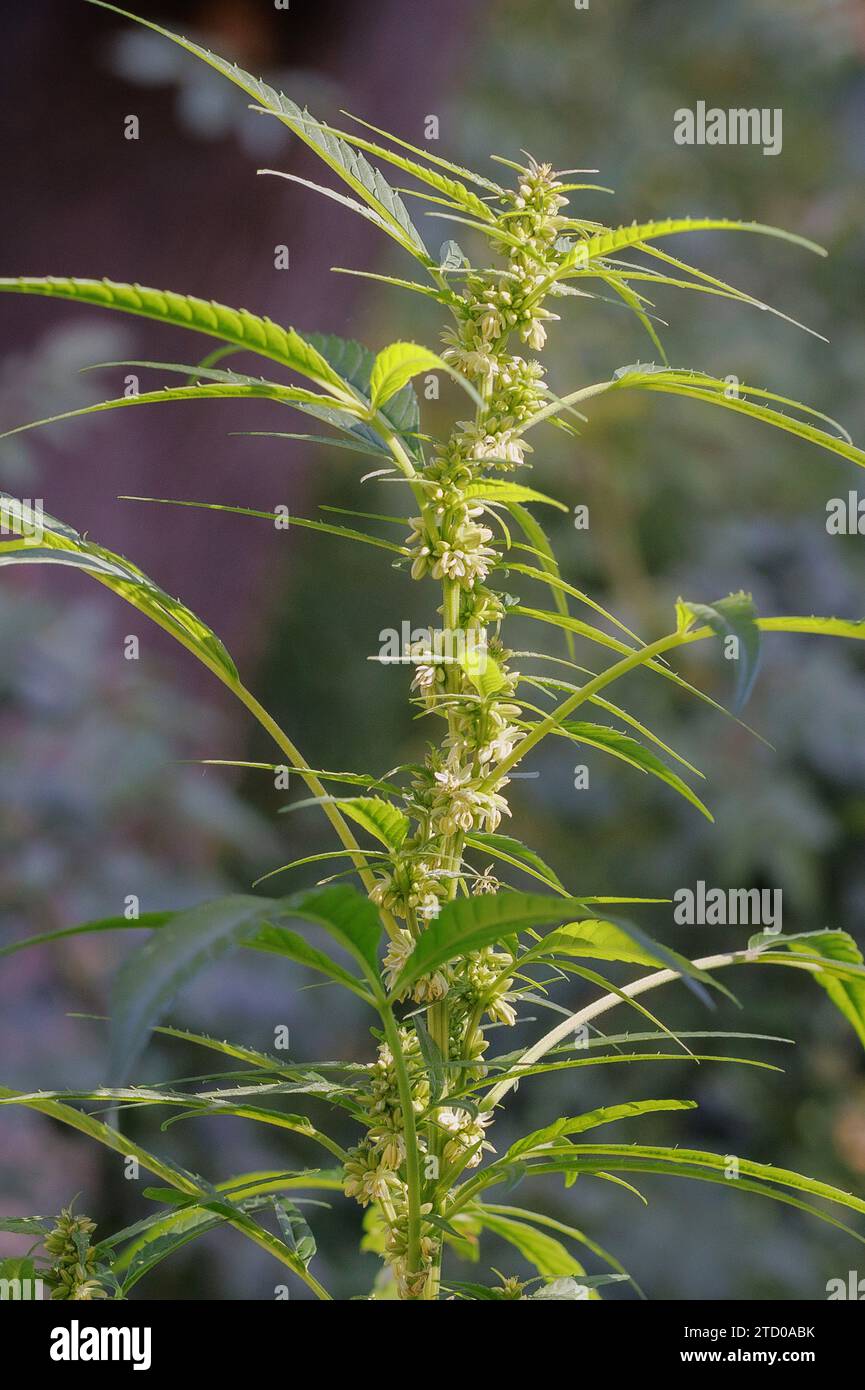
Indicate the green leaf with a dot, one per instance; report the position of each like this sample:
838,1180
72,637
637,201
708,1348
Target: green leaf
604,1115
223,390
327,528
697,1164
819,627
280,941
558,585
535,1218
537,536
168,1172
848,995
347,915
482,669
395,366
459,170
151,977
352,167
499,490
237,326
610,241
25,1225
147,919
298,1236
546,1254
381,818
60,544
451,187
514,852
628,750
733,617
701,387
433,1060
354,363
160,1242
596,940
467,924
18,1269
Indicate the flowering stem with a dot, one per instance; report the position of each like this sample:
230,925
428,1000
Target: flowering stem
612,673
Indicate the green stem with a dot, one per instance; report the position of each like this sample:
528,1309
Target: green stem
412,1156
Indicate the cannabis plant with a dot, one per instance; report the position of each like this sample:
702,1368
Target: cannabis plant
432,936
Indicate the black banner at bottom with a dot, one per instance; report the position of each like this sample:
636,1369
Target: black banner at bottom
148,1338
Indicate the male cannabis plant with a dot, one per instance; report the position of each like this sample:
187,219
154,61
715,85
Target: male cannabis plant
462,948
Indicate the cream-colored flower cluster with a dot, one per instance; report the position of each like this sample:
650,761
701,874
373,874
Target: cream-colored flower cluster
459,791
371,1171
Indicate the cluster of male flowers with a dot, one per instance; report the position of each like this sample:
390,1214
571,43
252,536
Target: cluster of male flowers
75,1273
458,790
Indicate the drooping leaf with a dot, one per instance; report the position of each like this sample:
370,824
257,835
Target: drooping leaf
628,750
537,536
848,995
546,1254
60,544
696,1163
150,978
224,390
556,584
514,852
744,400
281,941
732,618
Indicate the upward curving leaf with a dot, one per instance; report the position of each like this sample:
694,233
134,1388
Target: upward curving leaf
733,619
352,167
355,364
612,240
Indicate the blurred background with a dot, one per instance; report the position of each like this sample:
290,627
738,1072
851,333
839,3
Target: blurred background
101,796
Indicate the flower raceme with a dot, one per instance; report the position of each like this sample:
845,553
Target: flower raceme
463,948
